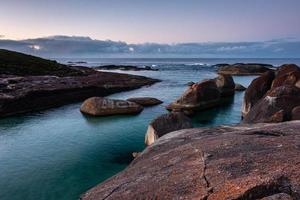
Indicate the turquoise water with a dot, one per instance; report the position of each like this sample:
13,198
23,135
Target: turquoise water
59,153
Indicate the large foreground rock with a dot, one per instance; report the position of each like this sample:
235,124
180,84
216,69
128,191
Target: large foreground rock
244,69
145,101
165,124
272,97
204,95
240,162
98,106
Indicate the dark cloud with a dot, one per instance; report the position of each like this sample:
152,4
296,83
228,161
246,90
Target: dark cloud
65,46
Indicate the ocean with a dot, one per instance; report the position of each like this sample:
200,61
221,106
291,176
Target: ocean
59,153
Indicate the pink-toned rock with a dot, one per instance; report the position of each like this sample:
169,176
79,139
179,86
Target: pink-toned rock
238,162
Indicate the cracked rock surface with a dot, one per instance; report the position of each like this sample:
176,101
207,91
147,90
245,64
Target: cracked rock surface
241,162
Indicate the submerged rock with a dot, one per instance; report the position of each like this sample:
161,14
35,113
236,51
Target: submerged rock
165,124
244,69
145,101
272,97
239,87
233,162
98,106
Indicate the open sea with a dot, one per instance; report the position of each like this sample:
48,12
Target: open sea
59,153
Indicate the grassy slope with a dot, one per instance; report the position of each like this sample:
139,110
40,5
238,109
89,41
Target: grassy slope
24,65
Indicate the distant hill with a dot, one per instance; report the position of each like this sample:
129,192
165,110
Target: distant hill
14,63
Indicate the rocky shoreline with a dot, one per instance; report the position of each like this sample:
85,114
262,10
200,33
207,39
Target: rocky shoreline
251,160
26,85
229,162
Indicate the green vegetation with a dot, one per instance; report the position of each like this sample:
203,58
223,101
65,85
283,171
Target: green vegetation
14,63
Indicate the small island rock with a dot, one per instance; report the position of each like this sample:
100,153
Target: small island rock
244,69
98,106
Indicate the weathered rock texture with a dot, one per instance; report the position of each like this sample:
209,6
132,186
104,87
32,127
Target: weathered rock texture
98,106
244,69
165,124
145,101
204,95
241,162
272,97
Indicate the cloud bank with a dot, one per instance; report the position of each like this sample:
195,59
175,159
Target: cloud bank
73,46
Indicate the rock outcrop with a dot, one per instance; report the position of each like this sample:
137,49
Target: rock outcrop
145,101
204,95
21,92
260,161
165,124
272,98
99,106
243,69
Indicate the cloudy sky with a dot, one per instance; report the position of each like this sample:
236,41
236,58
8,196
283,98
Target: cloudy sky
208,27
163,21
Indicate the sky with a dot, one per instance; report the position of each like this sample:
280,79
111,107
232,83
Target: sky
159,21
